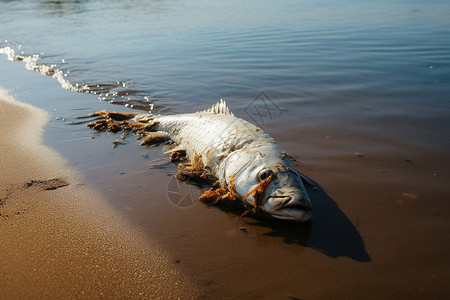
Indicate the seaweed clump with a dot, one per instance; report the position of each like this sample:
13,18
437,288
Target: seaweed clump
117,121
114,122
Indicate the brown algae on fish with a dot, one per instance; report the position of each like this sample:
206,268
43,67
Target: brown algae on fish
258,193
196,173
154,138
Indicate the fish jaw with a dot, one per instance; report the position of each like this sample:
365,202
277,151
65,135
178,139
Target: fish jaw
284,207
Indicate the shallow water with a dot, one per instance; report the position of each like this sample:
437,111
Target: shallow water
357,91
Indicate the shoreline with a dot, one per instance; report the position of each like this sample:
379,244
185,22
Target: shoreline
61,238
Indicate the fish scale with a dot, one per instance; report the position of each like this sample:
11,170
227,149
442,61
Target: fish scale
211,136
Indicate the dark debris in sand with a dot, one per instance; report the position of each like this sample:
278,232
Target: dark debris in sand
14,207
51,184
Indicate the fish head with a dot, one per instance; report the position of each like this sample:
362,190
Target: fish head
267,180
285,197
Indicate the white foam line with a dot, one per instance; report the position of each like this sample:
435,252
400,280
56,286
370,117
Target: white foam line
31,63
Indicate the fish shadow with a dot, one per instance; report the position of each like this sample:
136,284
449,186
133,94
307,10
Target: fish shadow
329,231
332,233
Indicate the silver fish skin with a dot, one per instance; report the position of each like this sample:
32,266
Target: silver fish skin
236,150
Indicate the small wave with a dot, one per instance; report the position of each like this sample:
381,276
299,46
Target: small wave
31,63
116,93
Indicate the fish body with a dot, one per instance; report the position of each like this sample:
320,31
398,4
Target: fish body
242,157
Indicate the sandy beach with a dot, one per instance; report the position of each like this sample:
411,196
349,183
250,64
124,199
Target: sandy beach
59,237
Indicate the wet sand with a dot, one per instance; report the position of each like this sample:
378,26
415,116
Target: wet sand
59,238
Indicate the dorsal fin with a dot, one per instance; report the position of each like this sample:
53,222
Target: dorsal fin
219,108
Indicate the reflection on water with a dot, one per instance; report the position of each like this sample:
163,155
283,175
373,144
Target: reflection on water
188,54
62,8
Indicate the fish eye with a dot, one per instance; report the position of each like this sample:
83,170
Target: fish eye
264,174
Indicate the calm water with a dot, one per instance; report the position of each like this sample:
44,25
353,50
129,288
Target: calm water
190,53
342,77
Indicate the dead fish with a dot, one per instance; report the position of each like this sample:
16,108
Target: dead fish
249,165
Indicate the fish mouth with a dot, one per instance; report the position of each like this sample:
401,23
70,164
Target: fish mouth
287,209
292,214
285,202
